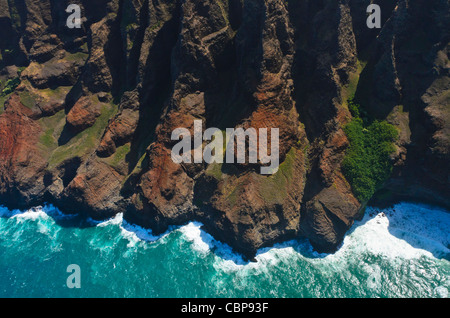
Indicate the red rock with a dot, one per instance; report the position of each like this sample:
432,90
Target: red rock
83,114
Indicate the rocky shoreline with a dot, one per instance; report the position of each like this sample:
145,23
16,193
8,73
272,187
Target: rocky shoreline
86,114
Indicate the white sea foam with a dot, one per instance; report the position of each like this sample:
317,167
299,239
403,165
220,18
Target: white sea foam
404,240
43,218
226,258
406,231
31,214
441,292
201,240
132,232
141,233
116,220
35,213
386,242
205,243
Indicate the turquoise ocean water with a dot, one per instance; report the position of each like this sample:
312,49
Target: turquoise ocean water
398,252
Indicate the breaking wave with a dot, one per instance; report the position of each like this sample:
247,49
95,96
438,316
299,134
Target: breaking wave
402,251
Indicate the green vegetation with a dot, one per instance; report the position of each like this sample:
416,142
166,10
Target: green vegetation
10,86
224,11
131,27
27,99
85,141
130,45
128,19
356,110
85,48
139,166
2,104
234,195
156,25
349,91
14,14
215,170
367,164
52,127
78,56
119,155
2,99
59,92
47,138
274,187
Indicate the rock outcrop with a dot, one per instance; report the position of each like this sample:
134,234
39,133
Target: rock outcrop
88,125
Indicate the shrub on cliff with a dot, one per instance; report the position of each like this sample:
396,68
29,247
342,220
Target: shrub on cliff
367,164
10,86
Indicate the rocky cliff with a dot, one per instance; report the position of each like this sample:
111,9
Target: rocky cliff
86,114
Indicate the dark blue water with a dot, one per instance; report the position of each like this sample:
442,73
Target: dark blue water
399,252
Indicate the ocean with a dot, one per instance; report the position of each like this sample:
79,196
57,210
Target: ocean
403,251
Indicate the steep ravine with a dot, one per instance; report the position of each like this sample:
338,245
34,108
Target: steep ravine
86,114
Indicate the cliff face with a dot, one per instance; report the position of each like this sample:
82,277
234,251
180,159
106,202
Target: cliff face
88,124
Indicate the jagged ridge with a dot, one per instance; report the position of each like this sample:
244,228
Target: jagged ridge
88,128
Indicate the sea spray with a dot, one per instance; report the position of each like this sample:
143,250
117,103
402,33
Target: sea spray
397,252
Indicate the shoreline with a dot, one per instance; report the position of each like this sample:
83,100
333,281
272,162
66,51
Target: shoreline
381,256
81,221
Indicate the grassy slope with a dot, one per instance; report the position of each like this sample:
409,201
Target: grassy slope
367,162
